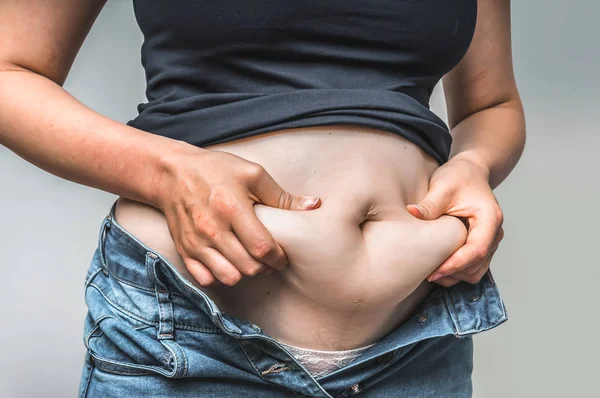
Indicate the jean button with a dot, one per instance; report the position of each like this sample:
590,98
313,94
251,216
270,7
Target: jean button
421,317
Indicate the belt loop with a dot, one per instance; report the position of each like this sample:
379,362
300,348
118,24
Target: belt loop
102,242
165,308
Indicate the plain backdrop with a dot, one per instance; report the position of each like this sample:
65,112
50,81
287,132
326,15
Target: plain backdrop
546,267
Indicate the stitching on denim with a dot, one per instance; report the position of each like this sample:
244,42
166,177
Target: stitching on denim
86,386
152,323
90,277
460,331
163,309
118,372
183,356
163,318
143,326
124,233
294,360
135,368
160,314
190,289
133,284
185,361
86,341
175,359
170,349
96,327
119,308
248,358
199,328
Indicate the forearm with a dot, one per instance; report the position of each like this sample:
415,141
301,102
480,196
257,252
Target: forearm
44,124
493,138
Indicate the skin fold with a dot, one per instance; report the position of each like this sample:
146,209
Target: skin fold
357,264
353,263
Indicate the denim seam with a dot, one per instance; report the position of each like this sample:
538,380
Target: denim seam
140,373
96,327
294,361
153,323
86,387
91,277
119,308
125,234
118,363
199,329
183,356
191,290
175,358
454,317
145,288
136,369
248,359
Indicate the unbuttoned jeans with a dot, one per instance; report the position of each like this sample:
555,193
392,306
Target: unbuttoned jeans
150,333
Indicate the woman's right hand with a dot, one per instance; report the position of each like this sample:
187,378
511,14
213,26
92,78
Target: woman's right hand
207,198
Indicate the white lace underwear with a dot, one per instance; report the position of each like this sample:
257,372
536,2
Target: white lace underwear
320,363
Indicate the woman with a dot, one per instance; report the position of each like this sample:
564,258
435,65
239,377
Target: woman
213,276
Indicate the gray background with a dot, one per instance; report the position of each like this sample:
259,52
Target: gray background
546,267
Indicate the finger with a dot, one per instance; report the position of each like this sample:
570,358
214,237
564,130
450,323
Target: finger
479,243
233,250
472,278
270,193
435,203
220,267
447,281
199,272
497,240
257,240
475,277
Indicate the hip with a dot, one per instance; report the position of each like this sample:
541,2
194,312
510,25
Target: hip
147,328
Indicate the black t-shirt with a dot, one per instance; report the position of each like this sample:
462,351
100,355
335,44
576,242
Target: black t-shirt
222,70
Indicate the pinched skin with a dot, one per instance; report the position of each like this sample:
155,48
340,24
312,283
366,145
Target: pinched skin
357,265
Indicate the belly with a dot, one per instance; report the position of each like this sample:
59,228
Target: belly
357,265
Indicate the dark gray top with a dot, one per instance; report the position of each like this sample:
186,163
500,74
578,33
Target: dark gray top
222,70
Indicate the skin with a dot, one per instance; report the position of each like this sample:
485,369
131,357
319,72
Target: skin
38,43
487,124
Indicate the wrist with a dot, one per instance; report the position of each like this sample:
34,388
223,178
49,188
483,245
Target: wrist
168,166
476,160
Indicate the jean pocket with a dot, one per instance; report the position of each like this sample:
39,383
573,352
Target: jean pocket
121,344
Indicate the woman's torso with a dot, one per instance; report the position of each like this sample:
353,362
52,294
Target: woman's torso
357,264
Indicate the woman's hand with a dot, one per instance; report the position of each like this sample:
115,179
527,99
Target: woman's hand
461,188
207,198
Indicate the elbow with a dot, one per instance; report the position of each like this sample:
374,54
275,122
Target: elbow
11,67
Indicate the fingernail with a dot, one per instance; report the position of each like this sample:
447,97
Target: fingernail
435,277
308,202
419,210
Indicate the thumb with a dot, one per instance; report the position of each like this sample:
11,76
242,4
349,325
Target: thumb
269,193
431,207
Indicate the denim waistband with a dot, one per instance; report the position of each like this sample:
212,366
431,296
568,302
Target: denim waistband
462,310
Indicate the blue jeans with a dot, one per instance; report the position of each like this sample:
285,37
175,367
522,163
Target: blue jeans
150,333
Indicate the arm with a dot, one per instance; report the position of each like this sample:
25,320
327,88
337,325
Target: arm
207,196
488,128
44,124
485,112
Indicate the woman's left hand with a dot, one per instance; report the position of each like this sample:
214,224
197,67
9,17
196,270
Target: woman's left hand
461,188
